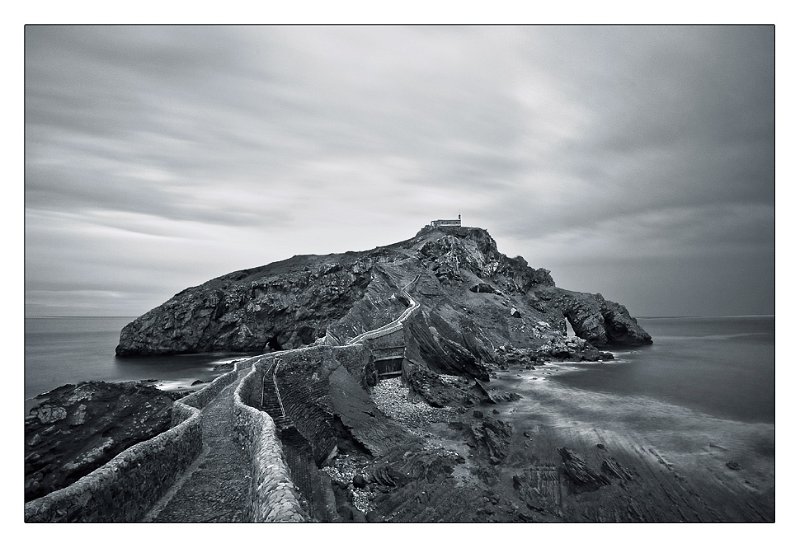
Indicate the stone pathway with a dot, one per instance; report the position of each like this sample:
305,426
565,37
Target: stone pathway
215,487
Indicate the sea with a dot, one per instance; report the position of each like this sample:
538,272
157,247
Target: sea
699,371
68,350
724,367
701,398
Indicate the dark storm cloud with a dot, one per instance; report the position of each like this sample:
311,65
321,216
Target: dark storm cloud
159,157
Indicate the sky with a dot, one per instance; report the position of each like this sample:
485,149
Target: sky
637,162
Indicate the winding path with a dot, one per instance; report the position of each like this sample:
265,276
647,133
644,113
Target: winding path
212,489
395,324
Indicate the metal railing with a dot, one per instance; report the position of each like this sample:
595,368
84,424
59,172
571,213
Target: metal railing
274,369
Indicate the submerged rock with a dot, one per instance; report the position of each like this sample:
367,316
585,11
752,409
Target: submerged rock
611,467
579,473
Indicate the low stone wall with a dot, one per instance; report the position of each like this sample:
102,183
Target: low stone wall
126,487
272,494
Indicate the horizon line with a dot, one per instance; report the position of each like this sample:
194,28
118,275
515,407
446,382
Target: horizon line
641,316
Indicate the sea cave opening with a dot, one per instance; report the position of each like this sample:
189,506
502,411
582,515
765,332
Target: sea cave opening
273,344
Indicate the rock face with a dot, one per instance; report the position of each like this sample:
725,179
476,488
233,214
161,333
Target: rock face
282,305
473,300
78,428
598,321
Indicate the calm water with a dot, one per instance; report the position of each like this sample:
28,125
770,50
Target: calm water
72,349
702,395
724,367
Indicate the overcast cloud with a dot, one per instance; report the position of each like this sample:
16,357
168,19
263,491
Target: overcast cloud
632,161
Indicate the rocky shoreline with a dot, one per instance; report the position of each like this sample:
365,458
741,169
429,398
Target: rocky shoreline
76,428
484,462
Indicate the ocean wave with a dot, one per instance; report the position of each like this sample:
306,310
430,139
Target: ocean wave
678,429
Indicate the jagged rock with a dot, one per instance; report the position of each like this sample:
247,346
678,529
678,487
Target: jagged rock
596,320
430,387
431,340
491,438
483,395
571,348
515,313
579,473
536,489
483,287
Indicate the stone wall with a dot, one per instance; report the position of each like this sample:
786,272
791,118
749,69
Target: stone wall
272,494
127,486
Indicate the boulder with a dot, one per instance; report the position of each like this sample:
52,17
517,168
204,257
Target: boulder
483,287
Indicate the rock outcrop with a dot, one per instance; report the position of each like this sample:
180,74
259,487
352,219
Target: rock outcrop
580,475
596,320
78,428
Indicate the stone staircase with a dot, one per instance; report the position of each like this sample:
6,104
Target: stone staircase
271,400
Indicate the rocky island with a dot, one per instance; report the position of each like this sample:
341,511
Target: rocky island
476,298
385,385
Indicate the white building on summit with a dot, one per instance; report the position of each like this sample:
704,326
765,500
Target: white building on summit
446,222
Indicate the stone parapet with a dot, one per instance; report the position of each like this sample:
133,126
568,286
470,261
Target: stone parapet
126,487
272,493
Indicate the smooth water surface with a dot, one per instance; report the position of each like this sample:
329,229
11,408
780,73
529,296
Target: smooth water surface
724,367
72,349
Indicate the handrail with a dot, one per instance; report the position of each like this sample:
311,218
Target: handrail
263,380
277,390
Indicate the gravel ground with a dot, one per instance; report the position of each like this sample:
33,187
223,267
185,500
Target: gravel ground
391,397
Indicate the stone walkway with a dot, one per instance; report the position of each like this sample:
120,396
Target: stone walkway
215,487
